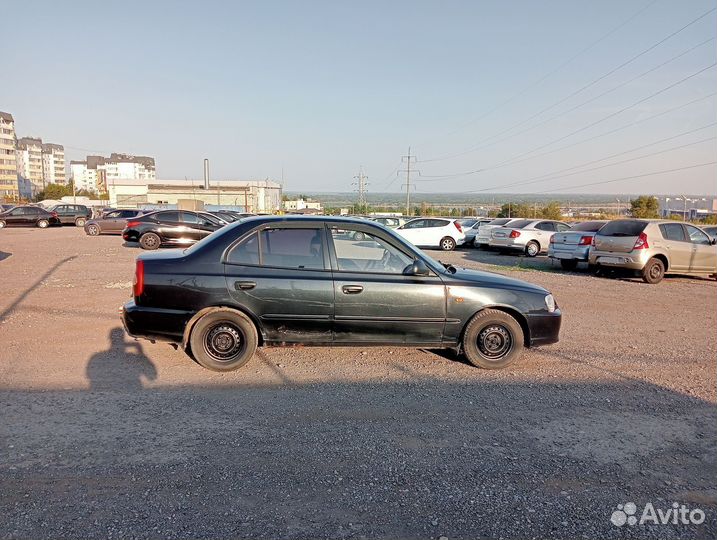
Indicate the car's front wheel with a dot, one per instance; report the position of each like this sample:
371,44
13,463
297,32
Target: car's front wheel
448,244
493,339
93,230
150,240
43,223
223,340
654,271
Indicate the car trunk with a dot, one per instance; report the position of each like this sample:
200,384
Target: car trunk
569,238
619,236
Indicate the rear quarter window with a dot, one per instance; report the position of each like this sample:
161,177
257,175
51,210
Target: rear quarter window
623,228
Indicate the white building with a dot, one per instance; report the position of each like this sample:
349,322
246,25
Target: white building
96,173
29,162
8,159
53,163
301,204
256,196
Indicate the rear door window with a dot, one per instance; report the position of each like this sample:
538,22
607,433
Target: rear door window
546,226
246,252
623,228
167,217
673,231
292,248
519,224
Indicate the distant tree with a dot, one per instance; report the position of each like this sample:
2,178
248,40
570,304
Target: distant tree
54,191
645,207
552,211
709,220
515,210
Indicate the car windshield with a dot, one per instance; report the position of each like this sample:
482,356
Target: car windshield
623,227
589,226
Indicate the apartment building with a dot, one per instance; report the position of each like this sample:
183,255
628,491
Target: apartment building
8,159
29,162
96,173
53,163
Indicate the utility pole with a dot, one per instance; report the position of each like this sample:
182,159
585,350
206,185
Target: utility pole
408,160
361,188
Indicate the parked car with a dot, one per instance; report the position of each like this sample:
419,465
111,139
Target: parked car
6,207
711,231
389,221
112,222
472,231
573,246
442,233
28,216
170,228
227,215
485,232
72,214
654,248
278,280
529,236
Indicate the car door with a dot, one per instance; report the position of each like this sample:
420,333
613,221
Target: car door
17,217
194,224
282,275
436,231
113,222
170,228
413,230
543,231
704,253
375,301
679,249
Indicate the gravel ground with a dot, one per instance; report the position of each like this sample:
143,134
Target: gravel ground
104,437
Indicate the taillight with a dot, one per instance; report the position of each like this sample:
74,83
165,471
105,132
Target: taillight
641,242
586,241
54,214
133,223
552,239
138,286
458,226
514,234
592,242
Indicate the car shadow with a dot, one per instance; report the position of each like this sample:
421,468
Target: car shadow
4,255
131,245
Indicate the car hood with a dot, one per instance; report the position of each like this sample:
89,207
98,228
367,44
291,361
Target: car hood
491,279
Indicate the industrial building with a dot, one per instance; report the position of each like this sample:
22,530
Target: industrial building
257,196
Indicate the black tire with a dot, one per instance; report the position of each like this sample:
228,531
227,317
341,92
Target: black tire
150,241
654,271
532,249
447,243
42,223
223,340
80,222
569,264
93,230
359,236
493,340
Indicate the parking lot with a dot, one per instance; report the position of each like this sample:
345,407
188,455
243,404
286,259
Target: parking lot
103,436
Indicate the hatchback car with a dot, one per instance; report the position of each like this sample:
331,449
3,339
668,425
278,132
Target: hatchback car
304,280
654,248
573,246
170,228
72,214
112,222
442,233
529,236
28,216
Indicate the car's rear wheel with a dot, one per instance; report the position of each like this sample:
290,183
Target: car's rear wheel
223,340
654,271
93,230
2,224
569,264
447,244
80,222
532,248
493,339
150,241
43,223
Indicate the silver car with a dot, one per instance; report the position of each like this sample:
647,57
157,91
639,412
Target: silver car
573,246
530,236
654,248
485,231
472,231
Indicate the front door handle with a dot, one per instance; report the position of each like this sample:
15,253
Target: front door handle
244,285
352,289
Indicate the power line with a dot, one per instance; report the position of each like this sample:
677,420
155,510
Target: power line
576,92
654,173
551,73
575,132
575,107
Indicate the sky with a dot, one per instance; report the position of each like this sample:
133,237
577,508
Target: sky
491,96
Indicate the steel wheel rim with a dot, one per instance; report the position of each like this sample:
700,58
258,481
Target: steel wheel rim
495,342
655,271
223,341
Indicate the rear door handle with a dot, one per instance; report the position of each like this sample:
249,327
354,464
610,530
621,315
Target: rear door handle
244,285
352,289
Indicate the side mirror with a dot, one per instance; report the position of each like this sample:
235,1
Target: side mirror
713,241
417,268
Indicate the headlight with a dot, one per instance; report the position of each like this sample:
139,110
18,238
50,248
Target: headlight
550,303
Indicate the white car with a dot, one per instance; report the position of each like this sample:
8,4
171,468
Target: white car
472,232
443,233
485,232
531,236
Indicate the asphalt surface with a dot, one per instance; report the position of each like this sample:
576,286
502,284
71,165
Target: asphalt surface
105,437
